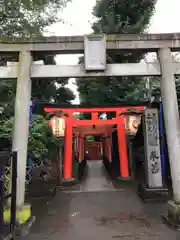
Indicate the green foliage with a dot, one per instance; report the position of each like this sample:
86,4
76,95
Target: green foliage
122,16
6,130
28,18
117,17
80,116
40,137
63,95
7,96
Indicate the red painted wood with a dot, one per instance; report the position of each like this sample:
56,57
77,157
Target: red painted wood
94,150
119,120
107,149
94,122
68,149
73,110
94,115
123,158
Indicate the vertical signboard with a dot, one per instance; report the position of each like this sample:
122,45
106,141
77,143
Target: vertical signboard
152,148
95,52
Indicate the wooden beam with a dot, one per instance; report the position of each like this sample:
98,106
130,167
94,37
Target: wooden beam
94,122
97,109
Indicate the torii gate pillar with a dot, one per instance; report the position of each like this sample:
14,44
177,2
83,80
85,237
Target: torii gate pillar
123,159
21,122
21,132
172,125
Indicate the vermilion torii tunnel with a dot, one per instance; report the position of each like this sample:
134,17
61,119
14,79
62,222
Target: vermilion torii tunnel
93,127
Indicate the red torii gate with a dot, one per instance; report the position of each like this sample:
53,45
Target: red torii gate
72,122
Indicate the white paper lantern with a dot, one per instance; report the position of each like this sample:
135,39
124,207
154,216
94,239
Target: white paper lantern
58,126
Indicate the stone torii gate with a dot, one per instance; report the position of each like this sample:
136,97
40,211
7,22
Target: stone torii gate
95,48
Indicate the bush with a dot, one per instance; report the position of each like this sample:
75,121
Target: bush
40,137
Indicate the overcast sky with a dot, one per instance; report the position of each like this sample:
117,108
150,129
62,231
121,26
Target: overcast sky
78,18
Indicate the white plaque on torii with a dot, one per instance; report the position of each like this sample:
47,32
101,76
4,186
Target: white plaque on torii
95,52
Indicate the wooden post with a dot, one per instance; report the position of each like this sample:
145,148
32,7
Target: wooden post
68,149
123,158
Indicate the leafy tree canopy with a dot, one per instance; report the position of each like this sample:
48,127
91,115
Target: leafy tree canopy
122,16
29,19
118,17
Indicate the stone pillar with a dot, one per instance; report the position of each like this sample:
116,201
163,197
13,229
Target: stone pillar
152,149
171,116
172,126
21,121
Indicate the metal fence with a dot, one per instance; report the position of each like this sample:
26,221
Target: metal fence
8,188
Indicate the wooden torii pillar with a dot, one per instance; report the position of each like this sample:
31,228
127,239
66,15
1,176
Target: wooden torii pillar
68,149
122,146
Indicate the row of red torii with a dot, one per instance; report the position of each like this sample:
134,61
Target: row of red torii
80,129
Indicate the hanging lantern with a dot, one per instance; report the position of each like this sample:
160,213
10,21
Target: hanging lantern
57,124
